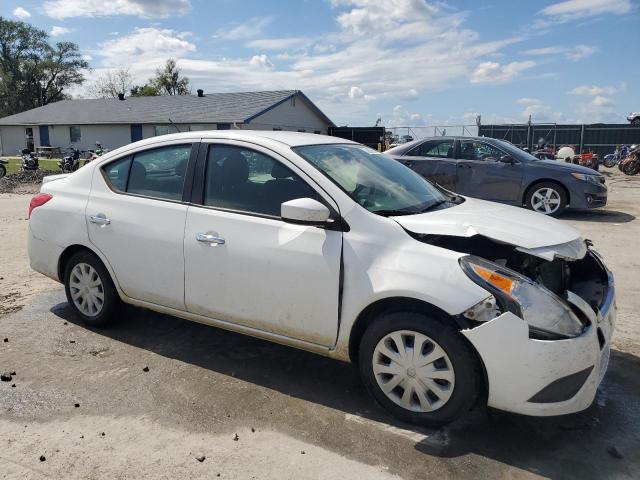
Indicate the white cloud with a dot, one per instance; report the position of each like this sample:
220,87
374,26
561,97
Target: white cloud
575,9
250,29
262,62
144,46
21,13
100,8
592,90
401,117
280,43
57,31
539,111
572,53
494,72
356,93
390,50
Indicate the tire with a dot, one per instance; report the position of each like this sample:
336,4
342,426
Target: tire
3,171
539,194
609,162
635,121
448,400
84,272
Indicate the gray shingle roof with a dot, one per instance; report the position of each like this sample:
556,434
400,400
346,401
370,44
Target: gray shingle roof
212,108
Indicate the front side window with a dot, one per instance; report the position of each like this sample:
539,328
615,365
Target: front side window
157,173
377,182
433,148
75,134
248,181
470,150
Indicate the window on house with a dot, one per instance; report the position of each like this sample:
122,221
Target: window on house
160,130
75,135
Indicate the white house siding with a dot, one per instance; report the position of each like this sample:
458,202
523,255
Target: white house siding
13,139
289,115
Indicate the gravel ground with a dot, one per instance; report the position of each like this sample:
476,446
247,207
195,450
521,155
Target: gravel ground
155,394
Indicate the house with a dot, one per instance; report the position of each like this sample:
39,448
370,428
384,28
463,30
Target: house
115,122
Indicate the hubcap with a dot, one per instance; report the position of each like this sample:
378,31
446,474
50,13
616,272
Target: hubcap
413,371
545,200
86,289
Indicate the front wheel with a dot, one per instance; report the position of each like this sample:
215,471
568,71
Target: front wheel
419,368
3,171
547,198
89,290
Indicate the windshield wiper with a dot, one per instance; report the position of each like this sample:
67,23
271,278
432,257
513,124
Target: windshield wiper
414,211
433,205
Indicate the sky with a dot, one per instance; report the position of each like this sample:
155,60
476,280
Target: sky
407,62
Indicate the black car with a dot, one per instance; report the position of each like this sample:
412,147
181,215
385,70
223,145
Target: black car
497,170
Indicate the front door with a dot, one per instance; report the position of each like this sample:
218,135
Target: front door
481,174
243,264
435,161
136,218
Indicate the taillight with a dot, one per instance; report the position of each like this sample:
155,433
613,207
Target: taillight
38,200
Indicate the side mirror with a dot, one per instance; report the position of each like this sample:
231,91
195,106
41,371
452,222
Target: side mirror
507,159
304,211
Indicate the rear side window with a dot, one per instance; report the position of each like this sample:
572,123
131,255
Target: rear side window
436,148
117,173
157,173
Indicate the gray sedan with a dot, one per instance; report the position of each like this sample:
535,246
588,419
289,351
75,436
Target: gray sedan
497,170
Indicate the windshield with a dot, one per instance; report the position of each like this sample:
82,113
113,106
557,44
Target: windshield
375,181
514,151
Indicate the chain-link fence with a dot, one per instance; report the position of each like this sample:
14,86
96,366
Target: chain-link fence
403,134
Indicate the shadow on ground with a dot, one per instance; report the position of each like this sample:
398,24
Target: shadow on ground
583,445
600,216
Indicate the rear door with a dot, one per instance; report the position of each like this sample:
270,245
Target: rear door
246,266
136,217
435,161
481,174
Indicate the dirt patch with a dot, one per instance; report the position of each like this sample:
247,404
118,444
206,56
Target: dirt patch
24,182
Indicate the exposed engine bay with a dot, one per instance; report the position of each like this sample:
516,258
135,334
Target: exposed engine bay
585,277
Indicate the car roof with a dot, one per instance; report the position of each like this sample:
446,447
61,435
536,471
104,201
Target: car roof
292,139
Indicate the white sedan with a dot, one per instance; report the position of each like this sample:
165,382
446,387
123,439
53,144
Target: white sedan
323,244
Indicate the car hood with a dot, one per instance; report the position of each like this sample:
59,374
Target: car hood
528,231
564,166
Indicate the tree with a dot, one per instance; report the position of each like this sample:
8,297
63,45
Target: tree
33,72
145,90
168,80
112,84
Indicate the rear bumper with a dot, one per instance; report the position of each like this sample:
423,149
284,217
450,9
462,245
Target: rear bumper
521,370
43,256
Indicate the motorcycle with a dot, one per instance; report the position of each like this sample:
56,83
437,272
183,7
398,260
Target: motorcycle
70,163
631,164
29,161
3,169
630,150
97,152
613,159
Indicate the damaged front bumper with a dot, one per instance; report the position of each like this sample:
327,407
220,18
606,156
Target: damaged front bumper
545,377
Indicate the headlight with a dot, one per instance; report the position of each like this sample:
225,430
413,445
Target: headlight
548,316
588,178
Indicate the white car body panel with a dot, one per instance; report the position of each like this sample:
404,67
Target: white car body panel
281,282
268,274
499,222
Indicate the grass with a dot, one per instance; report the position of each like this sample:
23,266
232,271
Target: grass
45,164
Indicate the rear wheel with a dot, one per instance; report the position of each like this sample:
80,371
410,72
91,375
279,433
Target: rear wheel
419,368
547,198
89,289
3,171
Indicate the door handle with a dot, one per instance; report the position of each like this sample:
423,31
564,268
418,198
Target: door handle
99,219
209,238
